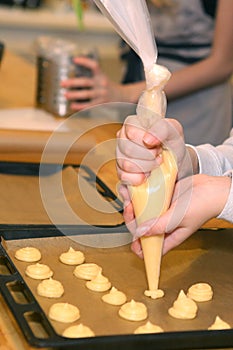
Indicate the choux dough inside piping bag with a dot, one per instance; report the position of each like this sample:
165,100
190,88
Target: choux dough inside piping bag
131,20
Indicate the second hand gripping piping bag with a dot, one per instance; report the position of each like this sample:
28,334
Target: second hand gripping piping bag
131,20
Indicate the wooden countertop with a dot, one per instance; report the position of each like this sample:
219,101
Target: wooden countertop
17,82
17,89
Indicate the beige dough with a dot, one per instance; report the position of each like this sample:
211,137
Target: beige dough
183,307
219,324
148,328
64,312
133,311
72,257
114,297
154,294
38,271
200,292
152,198
28,254
99,284
87,271
157,189
78,331
50,288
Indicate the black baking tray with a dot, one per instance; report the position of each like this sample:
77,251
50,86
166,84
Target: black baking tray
30,311
33,169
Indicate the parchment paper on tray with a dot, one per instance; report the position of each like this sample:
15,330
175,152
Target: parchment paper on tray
60,198
204,257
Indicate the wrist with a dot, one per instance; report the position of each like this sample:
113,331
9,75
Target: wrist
222,189
189,165
194,161
227,210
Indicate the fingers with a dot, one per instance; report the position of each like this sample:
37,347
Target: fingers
143,161
87,62
133,179
134,150
169,134
137,248
124,193
134,160
129,218
82,98
152,227
175,238
78,82
133,130
164,132
128,209
133,172
84,92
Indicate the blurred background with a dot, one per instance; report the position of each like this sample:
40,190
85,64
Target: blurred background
23,21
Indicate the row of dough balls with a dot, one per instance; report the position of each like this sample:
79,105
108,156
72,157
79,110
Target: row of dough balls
133,311
32,254
184,307
92,273
50,288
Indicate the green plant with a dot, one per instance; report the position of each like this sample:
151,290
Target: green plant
78,9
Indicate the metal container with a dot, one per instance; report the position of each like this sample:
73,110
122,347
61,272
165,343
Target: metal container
54,64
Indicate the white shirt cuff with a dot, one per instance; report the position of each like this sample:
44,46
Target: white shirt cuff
227,212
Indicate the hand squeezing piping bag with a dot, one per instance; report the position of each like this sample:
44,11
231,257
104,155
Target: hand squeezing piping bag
152,198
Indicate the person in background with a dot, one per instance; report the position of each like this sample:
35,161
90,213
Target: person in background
195,42
203,189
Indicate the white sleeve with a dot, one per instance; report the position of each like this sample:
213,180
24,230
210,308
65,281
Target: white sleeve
227,213
218,161
215,161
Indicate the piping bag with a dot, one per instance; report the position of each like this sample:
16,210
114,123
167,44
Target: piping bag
131,20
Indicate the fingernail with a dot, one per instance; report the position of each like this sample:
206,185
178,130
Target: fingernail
121,192
126,203
148,139
137,251
141,231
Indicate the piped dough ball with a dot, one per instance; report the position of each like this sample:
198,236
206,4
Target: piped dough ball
154,294
148,328
133,311
78,331
200,292
64,312
38,271
114,297
183,307
99,284
72,257
219,324
28,254
87,271
50,288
